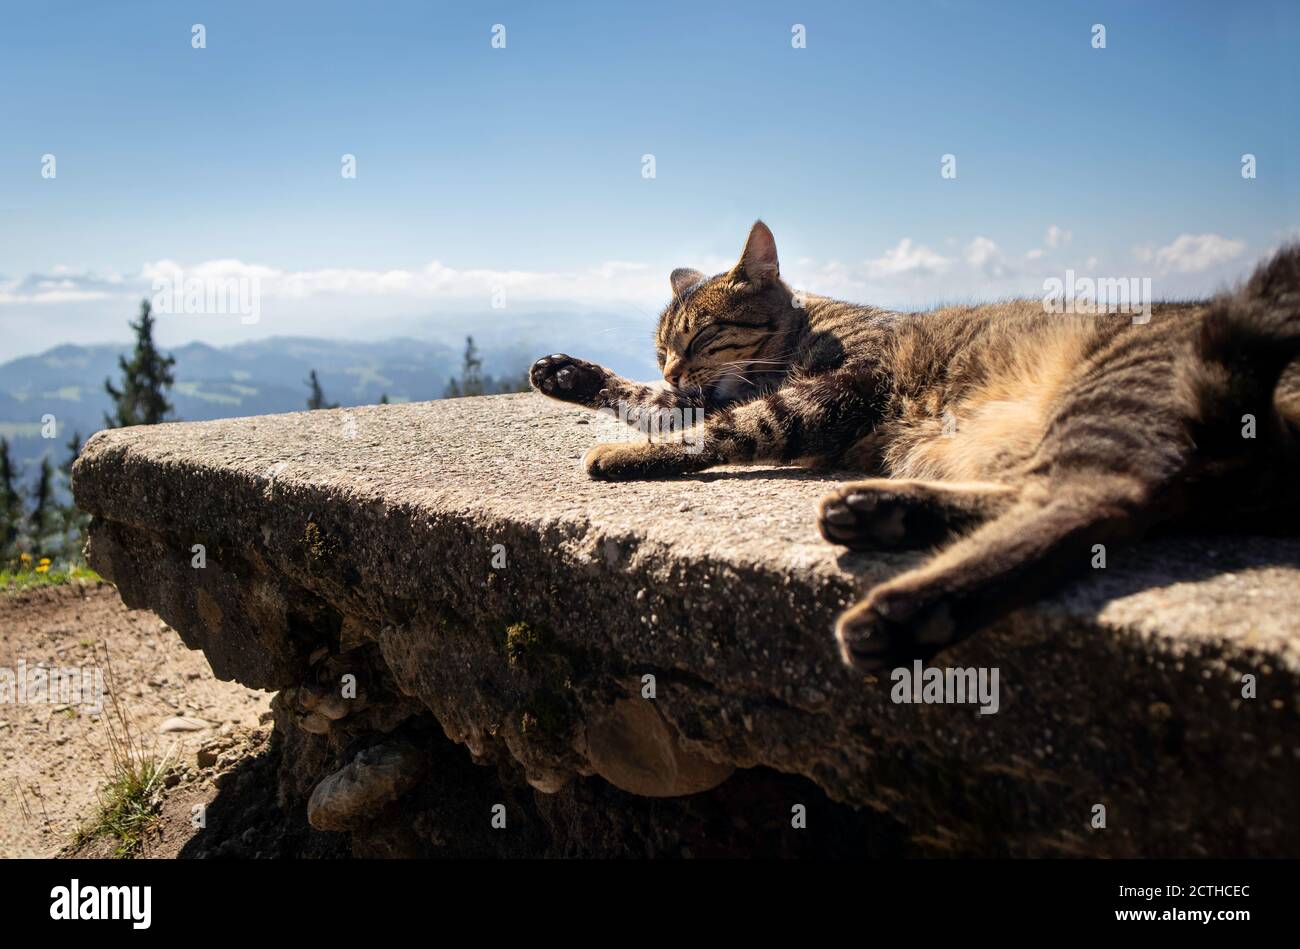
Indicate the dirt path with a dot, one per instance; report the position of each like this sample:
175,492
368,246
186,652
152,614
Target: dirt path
54,756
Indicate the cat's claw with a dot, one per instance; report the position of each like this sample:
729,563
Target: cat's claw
568,379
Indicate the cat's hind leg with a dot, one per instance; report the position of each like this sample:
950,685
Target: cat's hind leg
886,514
1046,536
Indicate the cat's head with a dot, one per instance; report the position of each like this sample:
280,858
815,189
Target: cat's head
719,331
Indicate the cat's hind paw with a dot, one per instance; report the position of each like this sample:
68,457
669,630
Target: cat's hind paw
862,519
882,515
892,628
568,379
887,514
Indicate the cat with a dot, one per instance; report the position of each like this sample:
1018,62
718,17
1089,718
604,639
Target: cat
1008,438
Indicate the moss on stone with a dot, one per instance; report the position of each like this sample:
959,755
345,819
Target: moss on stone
314,540
521,640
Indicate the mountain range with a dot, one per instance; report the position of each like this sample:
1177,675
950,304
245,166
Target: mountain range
252,378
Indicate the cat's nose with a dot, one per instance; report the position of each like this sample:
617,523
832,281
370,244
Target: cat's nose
674,373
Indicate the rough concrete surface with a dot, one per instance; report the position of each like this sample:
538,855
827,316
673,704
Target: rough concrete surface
358,545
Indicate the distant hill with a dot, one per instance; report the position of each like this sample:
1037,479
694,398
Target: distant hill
265,376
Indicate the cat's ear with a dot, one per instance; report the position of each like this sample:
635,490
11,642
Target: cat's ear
758,262
683,278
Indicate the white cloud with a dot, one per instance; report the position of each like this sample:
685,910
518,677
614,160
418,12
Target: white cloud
905,258
71,304
1057,237
1193,253
61,285
433,282
984,256
906,271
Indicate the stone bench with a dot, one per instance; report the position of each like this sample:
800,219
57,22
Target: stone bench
452,562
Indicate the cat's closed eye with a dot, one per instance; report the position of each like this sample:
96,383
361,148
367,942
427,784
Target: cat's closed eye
703,337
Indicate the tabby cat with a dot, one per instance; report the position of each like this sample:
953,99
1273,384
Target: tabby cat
1011,439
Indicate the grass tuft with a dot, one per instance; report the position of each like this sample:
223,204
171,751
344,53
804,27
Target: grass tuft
131,801
128,806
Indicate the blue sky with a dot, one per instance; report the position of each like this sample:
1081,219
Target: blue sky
522,167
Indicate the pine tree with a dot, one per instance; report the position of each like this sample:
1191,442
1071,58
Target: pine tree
383,398
11,503
471,374
317,398
142,400
43,522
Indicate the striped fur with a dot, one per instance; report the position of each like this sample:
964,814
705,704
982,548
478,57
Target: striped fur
1011,439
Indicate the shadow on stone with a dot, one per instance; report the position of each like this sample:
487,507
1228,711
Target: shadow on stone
449,814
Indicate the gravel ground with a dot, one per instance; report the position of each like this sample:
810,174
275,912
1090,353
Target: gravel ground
54,757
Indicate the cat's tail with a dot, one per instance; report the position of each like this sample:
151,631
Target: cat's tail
1246,341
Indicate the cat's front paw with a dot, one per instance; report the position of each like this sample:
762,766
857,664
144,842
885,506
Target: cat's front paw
617,462
892,628
568,379
635,461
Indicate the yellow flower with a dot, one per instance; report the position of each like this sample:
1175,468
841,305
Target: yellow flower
45,561
42,568
25,558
